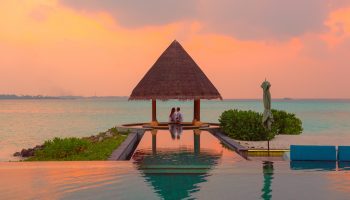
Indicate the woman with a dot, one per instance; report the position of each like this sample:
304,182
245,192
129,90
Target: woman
172,121
172,116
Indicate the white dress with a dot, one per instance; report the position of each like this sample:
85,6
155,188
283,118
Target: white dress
172,118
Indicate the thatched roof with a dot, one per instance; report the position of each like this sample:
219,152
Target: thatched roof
175,75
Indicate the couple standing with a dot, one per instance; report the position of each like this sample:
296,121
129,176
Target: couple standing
175,119
175,116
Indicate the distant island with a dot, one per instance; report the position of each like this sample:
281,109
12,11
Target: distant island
13,96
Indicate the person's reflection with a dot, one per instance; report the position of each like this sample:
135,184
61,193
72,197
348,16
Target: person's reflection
172,129
178,131
175,131
268,176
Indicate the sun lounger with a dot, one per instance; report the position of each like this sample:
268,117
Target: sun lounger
344,153
312,153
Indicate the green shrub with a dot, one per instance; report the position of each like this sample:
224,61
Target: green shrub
247,125
286,123
244,125
78,148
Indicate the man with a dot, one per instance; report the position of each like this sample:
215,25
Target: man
179,117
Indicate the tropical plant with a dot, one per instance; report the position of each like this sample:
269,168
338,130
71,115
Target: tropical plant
247,125
244,125
286,123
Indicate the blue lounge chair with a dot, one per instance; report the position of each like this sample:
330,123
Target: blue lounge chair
344,153
312,153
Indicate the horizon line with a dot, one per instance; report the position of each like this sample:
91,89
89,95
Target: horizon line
124,96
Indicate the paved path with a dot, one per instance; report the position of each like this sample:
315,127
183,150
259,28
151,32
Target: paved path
284,141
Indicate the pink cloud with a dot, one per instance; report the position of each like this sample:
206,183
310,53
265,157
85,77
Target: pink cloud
79,53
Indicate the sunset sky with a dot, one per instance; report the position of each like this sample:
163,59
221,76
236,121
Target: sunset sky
104,47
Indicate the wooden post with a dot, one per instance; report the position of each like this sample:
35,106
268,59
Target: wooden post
194,111
154,111
197,109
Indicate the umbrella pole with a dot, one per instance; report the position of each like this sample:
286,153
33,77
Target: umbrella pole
268,148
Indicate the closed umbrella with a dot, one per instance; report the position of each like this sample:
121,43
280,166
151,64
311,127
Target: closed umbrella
267,116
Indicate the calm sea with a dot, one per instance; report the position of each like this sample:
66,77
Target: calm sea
25,123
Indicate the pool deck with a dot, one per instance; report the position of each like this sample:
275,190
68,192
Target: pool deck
227,140
284,141
125,150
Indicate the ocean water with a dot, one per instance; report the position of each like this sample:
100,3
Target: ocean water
26,123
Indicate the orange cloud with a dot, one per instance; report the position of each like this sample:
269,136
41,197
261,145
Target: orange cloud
339,26
51,49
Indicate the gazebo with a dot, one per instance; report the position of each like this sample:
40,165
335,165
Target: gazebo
175,75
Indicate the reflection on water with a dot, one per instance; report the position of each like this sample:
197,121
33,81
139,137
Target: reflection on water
340,182
175,131
314,165
64,180
126,180
343,165
175,169
175,186
268,176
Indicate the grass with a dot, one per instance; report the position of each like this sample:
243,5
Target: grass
98,147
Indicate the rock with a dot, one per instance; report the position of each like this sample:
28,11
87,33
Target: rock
27,152
92,138
17,154
100,139
109,134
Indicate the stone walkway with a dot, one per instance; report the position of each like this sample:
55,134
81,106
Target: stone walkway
284,141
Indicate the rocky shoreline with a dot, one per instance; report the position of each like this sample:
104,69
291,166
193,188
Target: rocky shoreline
25,153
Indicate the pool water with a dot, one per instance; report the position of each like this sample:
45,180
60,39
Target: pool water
188,149
175,163
189,165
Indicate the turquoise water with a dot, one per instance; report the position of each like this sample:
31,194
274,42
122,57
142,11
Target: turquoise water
192,166
25,123
175,167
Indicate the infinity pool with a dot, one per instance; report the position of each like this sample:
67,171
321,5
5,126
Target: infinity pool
189,165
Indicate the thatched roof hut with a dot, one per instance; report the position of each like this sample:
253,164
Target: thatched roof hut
175,75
